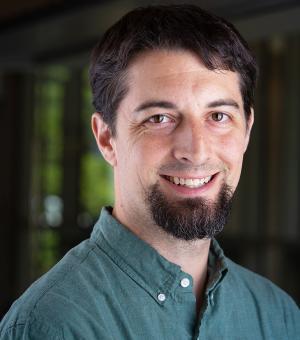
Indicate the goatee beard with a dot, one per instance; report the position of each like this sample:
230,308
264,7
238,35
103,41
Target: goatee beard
191,218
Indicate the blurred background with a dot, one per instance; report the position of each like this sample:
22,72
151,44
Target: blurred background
54,181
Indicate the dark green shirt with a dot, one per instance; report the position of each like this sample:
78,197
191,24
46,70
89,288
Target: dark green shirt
115,286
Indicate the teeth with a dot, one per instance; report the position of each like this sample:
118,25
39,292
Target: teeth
197,181
176,180
189,182
207,179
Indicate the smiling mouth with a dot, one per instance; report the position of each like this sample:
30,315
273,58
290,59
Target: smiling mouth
189,182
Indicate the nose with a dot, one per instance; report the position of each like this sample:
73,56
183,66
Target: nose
193,144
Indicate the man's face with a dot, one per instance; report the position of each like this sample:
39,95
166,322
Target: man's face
180,130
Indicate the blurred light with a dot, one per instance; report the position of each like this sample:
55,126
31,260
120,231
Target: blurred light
53,206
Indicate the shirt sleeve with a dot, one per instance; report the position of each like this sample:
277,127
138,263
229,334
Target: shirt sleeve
292,320
29,331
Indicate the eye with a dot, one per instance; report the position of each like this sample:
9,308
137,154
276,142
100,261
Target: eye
219,117
159,119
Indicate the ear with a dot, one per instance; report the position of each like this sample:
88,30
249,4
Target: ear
249,124
104,139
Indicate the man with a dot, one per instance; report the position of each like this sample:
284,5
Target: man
173,90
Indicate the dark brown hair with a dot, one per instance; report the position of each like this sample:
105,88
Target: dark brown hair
175,27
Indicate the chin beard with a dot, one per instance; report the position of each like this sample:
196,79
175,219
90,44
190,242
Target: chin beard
191,218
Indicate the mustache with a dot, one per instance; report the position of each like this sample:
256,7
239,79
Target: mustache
184,167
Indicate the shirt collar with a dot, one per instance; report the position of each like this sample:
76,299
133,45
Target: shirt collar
217,266
143,263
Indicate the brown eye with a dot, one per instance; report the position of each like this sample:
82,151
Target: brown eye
217,116
157,119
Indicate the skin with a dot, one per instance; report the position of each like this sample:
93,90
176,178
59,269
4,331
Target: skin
202,132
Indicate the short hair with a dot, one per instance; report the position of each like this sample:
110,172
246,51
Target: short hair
167,27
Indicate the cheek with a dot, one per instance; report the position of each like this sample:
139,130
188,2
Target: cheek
139,161
232,152
148,155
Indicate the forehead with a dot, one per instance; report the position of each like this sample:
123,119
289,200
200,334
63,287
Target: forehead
163,72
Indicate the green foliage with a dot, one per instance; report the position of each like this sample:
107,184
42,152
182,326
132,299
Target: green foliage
96,182
49,129
52,178
96,186
48,251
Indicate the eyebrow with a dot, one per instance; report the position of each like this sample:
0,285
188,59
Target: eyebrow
155,103
169,105
223,102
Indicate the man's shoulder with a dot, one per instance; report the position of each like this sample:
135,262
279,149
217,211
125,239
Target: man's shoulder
56,298
260,294
258,286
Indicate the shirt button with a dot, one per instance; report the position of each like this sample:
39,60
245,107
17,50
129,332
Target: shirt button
161,297
212,298
185,282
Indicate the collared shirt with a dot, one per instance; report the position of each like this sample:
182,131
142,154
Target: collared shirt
115,286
